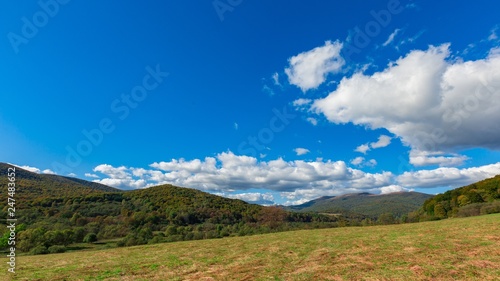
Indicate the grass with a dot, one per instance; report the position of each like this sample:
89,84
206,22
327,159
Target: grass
452,249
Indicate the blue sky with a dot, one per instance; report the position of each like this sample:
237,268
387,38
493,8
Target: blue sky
277,102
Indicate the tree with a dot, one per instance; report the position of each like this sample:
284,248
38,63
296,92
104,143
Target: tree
90,238
386,218
439,211
463,200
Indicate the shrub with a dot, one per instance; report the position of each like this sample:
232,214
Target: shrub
470,210
90,238
490,208
56,249
39,250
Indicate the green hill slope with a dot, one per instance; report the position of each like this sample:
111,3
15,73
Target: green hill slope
367,204
482,197
32,186
454,249
56,212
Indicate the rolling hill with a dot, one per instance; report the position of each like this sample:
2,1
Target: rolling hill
479,198
54,212
32,185
367,204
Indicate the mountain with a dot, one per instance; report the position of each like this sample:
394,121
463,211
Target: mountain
399,203
54,212
479,198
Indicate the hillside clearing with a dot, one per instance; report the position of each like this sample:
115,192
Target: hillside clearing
452,249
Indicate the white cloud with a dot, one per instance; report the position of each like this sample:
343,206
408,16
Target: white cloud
90,175
295,181
262,155
35,169
123,183
435,104
493,34
301,151
391,37
361,162
424,158
309,69
228,172
392,188
252,197
358,161
236,126
312,120
301,102
371,163
29,168
447,177
276,79
362,148
114,173
72,175
383,141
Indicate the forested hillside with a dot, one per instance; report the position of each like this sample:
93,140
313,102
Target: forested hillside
479,198
33,186
370,205
54,212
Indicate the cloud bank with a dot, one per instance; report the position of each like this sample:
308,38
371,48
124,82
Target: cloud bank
231,174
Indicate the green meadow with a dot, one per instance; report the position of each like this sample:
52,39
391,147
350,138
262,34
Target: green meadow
450,249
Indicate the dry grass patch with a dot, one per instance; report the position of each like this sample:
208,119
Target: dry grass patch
453,249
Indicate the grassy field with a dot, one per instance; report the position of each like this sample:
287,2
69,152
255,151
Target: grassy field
453,249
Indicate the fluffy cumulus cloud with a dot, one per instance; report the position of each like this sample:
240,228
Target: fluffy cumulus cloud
433,103
312,120
90,175
29,168
301,151
252,197
309,69
35,169
383,141
297,181
362,162
425,158
228,172
120,177
447,176
357,161
392,188
362,148
301,102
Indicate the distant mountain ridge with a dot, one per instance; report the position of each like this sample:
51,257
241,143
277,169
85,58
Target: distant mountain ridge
372,205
